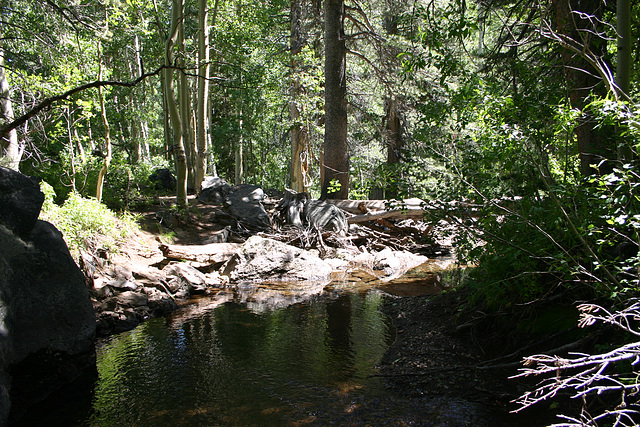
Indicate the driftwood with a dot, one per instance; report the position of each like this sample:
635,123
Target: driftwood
398,225
395,214
364,206
213,253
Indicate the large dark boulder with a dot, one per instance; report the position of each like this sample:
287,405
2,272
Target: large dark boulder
245,204
49,304
20,201
45,307
214,191
163,179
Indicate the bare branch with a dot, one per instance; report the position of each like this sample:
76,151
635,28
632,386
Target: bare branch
48,102
591,375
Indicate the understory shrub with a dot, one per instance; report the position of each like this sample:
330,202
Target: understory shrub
86,223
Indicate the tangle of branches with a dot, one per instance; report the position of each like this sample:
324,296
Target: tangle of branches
612,375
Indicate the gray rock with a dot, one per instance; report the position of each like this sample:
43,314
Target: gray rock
245,204
261,259
45,309
122,284
214,191
45,293
184,279
163,179
20,201
132,299
395,263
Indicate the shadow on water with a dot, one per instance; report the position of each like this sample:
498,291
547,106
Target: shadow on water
307,357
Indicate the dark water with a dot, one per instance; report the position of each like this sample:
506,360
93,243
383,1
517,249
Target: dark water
259,357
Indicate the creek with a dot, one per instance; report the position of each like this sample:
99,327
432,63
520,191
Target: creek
237,360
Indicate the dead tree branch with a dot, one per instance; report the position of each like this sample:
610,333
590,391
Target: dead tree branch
48,102
587,376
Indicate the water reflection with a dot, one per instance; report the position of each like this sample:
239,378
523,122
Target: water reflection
260,355
232,366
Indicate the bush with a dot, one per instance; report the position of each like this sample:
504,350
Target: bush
86,223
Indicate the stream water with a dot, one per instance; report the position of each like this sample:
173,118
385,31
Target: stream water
237,359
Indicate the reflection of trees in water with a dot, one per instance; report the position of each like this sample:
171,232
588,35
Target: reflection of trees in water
339,330
231,360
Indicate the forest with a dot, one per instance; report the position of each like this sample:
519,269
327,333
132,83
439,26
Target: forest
517,121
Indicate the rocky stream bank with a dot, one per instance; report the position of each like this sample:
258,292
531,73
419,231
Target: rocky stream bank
217,246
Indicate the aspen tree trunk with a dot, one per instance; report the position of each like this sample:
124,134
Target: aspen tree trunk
10,148
72,146
239,148
239,152
177,7
336,156
107,131
184,101
299,133
139,129
203,89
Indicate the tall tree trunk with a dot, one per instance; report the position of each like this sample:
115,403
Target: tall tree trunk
239,148
393,132
336,156
203,89
184,101
139,127
107,132
595,144
72,146
177,8
239,155
12,150
299,133
166,115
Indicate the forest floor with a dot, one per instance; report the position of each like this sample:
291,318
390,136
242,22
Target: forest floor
433,357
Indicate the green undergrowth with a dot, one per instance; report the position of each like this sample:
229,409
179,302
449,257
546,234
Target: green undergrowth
85,223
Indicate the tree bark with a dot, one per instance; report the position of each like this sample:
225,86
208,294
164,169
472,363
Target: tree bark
174,113
184,101
625,47
336,156
203,89
239,153
107,132
596,144
12,150
299,133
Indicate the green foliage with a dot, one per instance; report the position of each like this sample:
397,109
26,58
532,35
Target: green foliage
86,223
127,186
421,177
559,232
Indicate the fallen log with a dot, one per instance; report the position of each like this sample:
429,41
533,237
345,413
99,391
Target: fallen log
362,206
395,214
213,253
